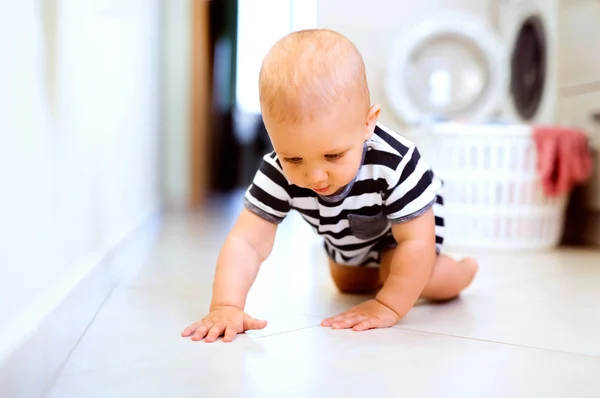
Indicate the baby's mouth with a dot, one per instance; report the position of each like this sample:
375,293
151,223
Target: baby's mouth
322,190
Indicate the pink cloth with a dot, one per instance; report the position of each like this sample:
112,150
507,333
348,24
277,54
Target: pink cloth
564,159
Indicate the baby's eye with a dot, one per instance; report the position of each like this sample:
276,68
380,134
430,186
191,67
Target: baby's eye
334,156
293,160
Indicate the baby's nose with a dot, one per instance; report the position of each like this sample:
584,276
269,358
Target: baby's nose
316,176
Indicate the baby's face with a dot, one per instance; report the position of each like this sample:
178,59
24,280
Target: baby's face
323,155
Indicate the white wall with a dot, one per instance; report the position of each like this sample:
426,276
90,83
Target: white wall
176,62
373,26
78,169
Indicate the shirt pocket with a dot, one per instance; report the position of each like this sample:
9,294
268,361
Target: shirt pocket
367,227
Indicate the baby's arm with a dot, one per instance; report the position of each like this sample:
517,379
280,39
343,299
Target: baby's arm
247,246
410,268
411,265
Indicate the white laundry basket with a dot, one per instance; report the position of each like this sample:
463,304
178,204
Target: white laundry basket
492,193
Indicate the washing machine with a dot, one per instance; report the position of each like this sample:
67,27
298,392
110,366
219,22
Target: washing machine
452,66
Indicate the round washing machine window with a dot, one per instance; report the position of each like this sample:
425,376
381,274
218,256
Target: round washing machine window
528,67
448,67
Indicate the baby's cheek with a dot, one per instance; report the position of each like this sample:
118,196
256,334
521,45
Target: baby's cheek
293,176
346,174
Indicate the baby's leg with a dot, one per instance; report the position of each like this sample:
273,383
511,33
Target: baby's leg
448,277
355,280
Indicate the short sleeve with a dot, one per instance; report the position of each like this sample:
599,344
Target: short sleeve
268,195
413,189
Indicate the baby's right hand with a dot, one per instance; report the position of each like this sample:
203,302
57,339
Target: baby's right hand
222,320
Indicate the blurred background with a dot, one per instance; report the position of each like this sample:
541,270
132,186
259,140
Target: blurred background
114,111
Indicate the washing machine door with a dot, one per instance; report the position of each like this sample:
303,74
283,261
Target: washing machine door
528,67
448,67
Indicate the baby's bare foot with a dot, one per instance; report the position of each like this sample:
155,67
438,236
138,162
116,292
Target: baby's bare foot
449,278
470,266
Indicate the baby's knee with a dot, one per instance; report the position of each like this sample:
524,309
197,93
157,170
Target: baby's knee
355,288
354,280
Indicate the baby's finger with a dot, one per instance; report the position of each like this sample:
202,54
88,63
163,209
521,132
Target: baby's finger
201,332
214,333
341,317
349,322
327,322
370,323
254,324
230,333
190,329
331,320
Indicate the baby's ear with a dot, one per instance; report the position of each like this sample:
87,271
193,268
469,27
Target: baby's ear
372,118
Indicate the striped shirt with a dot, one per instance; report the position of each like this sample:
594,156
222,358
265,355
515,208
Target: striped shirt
393,185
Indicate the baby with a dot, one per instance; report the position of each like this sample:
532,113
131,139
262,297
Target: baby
361,186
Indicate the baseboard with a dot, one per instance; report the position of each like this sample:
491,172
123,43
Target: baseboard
34,347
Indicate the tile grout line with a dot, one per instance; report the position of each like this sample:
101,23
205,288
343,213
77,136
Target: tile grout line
48,389
441,334
498,342
453,336
285,332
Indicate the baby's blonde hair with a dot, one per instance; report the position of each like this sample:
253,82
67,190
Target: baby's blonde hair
308,72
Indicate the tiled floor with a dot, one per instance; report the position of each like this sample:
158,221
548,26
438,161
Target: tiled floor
529,326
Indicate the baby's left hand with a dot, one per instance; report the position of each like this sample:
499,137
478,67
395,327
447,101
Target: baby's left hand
368,315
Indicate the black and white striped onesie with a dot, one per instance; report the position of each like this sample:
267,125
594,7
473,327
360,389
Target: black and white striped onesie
393,185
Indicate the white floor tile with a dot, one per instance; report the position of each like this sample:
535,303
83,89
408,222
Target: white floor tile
526,327
559,309
318,362
138,325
